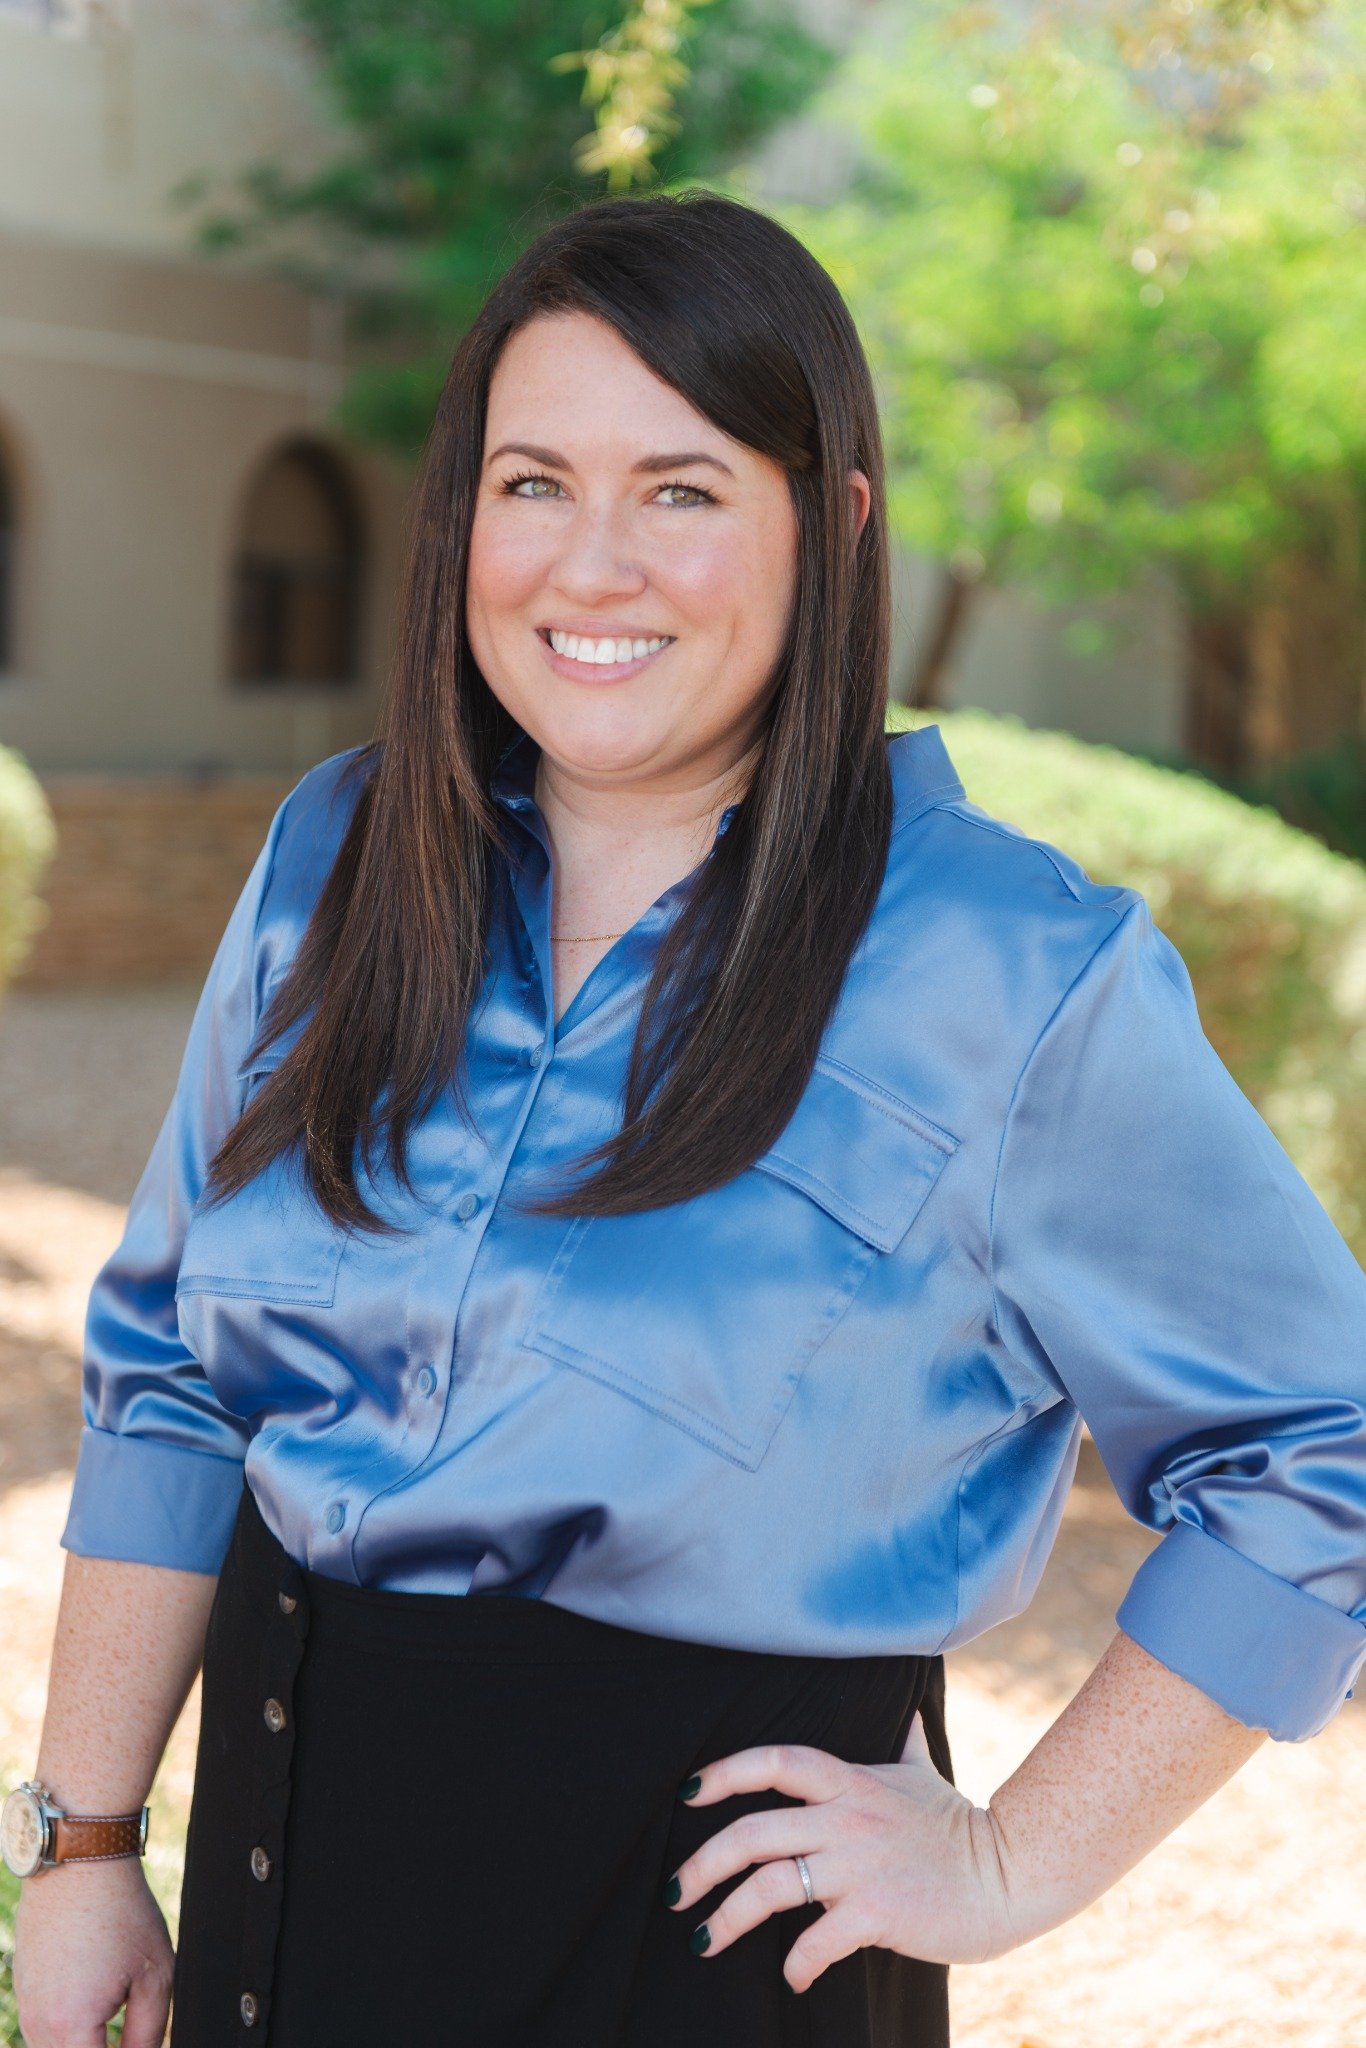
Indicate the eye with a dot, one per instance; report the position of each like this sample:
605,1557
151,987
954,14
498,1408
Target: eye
700,496
512,485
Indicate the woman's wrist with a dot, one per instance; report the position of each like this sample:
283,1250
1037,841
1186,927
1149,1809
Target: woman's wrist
99,1873
1006,1918
126,1649
1029,1903
1135,1752
105,1789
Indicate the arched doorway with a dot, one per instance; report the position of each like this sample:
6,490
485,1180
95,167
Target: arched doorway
296,575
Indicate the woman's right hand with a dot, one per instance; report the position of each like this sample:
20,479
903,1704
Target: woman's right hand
89,1938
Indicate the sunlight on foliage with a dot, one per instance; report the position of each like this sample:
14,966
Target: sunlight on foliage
1110,274
633,78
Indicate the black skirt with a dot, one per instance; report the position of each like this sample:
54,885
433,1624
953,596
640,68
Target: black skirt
427,1819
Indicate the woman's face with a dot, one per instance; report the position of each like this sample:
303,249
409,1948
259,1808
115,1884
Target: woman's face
610,510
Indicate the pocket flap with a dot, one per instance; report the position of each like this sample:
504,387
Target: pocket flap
868,1158
268,1241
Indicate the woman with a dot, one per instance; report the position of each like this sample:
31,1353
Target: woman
653,1158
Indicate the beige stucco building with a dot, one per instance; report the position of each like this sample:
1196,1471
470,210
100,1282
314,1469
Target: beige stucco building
199,574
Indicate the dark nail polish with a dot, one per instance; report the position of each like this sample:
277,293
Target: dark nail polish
700,1939
690,1788
673,1892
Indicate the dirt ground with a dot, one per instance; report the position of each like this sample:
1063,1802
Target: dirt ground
1246,1928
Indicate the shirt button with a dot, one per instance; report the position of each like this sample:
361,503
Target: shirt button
426,1380
287,1603
466,1207
336,1515
534,1055
248,2008
260,1865
274,1715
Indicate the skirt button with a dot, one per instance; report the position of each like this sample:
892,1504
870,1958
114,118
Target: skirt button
274,1716
260,1865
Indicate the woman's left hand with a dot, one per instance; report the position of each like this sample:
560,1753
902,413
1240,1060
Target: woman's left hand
898,1858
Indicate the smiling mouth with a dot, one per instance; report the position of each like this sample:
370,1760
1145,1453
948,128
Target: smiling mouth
603,659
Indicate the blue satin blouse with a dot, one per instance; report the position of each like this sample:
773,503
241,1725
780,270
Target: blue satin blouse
831,1408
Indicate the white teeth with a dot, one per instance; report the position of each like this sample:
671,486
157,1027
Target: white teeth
601,652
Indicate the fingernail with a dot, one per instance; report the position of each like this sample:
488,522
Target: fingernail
690,1788
673,1892
699,1939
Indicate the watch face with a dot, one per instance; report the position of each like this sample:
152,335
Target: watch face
22,1832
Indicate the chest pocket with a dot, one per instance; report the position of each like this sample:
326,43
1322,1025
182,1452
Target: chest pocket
268,1242
707,1312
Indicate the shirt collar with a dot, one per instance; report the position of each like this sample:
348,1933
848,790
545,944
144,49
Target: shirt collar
922,774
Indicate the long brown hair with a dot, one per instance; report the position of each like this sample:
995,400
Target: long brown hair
729,308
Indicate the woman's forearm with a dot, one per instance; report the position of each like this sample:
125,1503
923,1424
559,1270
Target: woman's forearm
1126,1761
128,1644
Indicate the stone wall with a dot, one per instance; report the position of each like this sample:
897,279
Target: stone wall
145,875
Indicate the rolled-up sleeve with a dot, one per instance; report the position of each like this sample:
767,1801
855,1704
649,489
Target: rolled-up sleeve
1157,1255
159,1472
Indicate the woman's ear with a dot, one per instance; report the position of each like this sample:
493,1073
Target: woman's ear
862,496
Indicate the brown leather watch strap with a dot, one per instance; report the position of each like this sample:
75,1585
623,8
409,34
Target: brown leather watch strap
90,1838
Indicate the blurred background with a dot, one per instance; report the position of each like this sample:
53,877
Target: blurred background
1110,268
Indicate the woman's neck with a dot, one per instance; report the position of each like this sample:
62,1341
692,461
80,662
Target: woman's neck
582,815
615,853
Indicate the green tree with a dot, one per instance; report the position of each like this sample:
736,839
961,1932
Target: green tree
463,131
1111,277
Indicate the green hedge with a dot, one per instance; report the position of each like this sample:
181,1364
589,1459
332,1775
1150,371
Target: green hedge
28,838
1270,923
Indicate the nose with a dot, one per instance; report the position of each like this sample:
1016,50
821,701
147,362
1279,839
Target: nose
598,557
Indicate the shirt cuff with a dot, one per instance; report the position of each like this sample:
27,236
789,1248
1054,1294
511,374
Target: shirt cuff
146,1502
1267,1652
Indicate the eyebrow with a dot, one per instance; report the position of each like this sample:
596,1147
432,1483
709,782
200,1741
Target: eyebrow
648,464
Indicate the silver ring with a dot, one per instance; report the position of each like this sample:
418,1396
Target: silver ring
805,1875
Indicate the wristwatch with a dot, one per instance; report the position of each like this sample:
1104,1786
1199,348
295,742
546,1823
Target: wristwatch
34,1833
